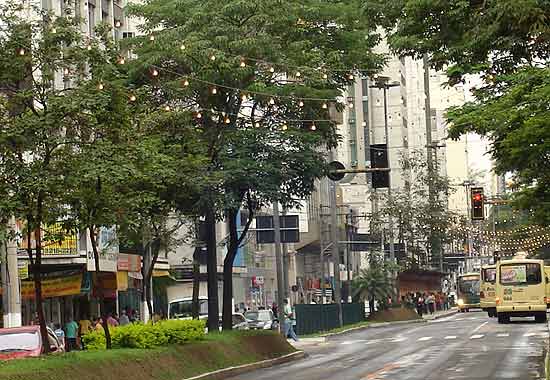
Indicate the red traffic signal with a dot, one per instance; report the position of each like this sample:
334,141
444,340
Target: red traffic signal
478,203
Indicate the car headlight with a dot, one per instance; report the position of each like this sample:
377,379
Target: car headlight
460,302
267,326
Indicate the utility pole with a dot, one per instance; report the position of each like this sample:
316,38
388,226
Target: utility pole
322,260
279,266
10,281
286,284
335,250
385,84
349,233
428,117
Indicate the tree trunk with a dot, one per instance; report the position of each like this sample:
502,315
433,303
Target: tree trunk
233,247
147,279
212,268
196,283
371,306
99,292
37,274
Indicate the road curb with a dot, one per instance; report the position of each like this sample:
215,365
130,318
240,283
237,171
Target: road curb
453,312
239,370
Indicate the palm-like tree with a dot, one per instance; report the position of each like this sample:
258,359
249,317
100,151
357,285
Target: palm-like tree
377,282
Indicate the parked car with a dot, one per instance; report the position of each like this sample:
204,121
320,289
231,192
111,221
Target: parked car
22,342
240,322
261,320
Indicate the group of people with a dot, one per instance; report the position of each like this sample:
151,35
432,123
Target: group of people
428,302
72,332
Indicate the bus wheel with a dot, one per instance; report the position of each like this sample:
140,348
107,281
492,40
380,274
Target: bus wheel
540,318
503,318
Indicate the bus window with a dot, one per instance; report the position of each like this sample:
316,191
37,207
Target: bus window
468,284
489,275
529,274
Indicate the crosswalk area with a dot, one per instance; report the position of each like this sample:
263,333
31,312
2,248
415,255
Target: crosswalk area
477,336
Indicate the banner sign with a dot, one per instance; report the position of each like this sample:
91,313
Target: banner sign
53,287
510,274
55,240
129,263
108,251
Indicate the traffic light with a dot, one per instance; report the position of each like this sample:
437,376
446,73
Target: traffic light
478,203
379,160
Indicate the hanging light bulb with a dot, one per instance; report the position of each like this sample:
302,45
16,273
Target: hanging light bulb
271,69
243,63
118,24
89,47
301,104
324,106
121,61
21,51
182,47
54,30
284,127
257,125
325,76
350,104
272,101
199,115
227,120
350,77
214,90
132,98
212,57
313,127
66,71
167,108
155,73
100,86
151,38
186,83
298,74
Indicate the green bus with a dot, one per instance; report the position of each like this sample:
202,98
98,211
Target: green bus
468,291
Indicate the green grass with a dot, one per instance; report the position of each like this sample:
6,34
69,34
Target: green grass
216,351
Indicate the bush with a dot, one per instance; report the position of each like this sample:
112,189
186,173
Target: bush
140,335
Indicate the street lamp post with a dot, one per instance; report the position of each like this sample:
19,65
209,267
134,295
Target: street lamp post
382,82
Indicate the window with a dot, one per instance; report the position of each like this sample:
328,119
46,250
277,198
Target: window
22,341
489,275
520,274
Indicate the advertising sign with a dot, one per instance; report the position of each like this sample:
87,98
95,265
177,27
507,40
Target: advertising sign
513,274
108,249
55,240
53,287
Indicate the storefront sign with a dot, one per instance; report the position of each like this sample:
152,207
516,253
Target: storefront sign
108,251
122,281
23,268
129,263
55,241
53,287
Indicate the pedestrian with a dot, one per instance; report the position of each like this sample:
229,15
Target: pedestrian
419,304
124,320
71,332
431,303
97,326
59,333
275,309
84,327
289,316
111,320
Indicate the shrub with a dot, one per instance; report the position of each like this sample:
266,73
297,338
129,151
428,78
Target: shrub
140,335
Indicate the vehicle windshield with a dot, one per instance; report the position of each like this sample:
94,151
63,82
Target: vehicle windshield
489,275
237,318
262,315
520,274
469,284
22,341
184,309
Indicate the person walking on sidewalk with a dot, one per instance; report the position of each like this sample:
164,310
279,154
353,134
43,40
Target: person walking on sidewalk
289,316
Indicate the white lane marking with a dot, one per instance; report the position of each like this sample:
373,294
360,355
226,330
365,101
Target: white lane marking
544,335
503,335
459,319
397,340
374,341
529,334
425,338
478,336
450,337
480,326
346,343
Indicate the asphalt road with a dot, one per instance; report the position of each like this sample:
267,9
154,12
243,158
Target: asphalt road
462,346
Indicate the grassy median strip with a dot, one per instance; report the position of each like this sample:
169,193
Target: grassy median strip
175,362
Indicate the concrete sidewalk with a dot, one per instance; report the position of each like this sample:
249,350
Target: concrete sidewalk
440,314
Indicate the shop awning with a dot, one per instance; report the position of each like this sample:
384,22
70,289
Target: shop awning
162,273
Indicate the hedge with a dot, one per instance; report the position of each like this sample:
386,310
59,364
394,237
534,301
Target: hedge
139,335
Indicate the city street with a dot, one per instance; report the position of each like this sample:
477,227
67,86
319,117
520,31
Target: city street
462,346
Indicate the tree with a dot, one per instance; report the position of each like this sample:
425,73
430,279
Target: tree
507,43
258,79
39,126
377,282
420,217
